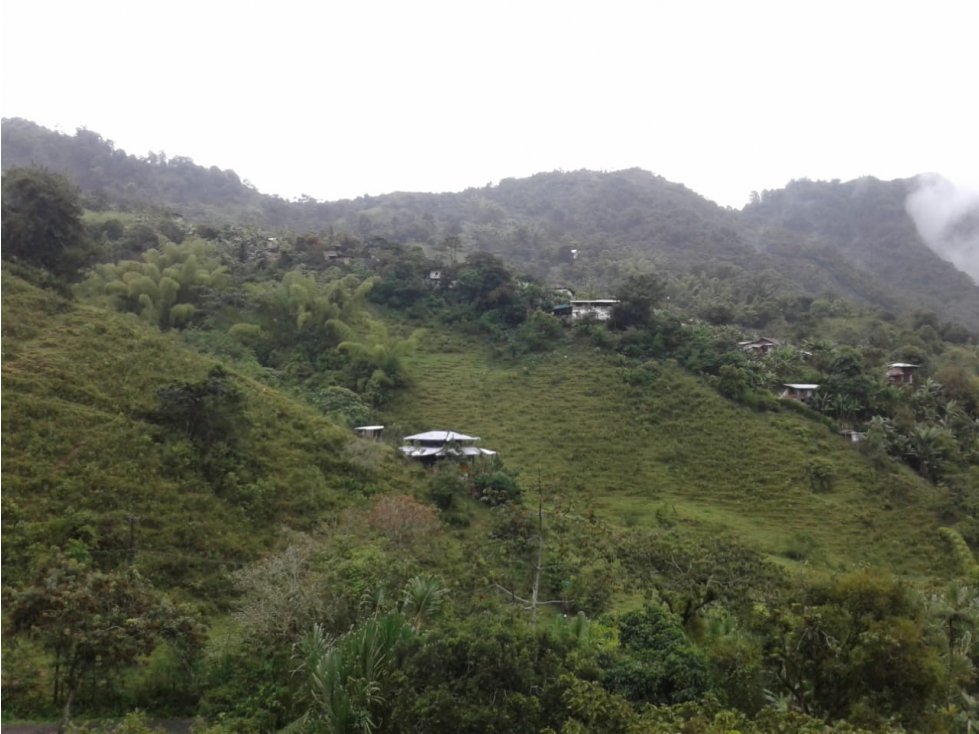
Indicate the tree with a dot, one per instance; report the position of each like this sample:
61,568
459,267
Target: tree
91,621
165,287
42,222
421,599
930,449
656,662
638,296
690,577
479,675
484,281
345,676
956,615
281,595
211,413
857,643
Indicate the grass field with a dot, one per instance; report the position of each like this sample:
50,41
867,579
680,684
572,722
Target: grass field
662,445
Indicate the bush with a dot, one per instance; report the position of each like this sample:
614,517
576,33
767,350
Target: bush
497,486
445,486
42,220
402,519
538,333
820,474
344,406
656,663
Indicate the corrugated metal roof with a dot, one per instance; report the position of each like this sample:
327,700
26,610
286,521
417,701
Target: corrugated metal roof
903,365
444,436
420,452
800,386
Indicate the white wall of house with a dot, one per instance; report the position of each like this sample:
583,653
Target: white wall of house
598,310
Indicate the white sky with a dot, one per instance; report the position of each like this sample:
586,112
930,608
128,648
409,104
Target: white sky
338,99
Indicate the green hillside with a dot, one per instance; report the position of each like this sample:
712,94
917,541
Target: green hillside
669,445
83,452
634,459
191,527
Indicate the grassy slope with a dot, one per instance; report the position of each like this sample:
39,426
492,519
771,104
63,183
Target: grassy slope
80,455
675,447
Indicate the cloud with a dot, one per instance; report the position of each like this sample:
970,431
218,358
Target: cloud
947,217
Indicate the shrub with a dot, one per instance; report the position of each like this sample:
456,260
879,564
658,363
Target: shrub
656,663
820,474
402,519
497,486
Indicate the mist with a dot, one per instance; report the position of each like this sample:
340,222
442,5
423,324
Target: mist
947,218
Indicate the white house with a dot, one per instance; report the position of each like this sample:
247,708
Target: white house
598,309
798,391
432,446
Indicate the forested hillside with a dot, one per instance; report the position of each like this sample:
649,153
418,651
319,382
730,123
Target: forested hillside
684,528
583,229
864,223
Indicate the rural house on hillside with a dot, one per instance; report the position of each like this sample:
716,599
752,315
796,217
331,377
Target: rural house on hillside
901,373
373,432
598,309
798,391
432,446
761,345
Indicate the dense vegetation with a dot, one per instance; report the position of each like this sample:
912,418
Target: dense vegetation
581,229
191,528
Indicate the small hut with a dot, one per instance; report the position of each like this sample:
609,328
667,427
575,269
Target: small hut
901,373
802,392
372,432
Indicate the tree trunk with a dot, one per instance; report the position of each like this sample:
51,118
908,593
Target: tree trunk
66,710
540,559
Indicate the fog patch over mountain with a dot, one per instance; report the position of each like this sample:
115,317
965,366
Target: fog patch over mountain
947,218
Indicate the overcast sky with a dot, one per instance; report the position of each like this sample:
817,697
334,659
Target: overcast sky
339,99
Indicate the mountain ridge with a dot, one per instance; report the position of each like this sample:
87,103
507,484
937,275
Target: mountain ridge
585,229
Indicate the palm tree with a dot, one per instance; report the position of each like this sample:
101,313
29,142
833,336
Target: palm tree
956,614
930,448
927,401
422,598
346,674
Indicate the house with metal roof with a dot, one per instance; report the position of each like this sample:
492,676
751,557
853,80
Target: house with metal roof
761,345
432,446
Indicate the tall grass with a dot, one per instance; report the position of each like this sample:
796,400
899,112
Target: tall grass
627,447
87,466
